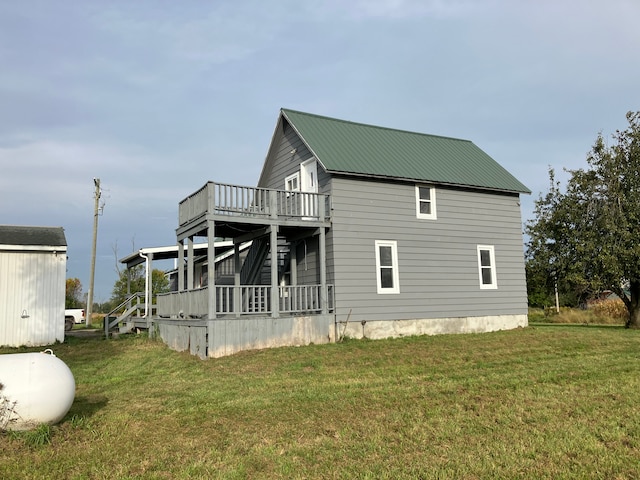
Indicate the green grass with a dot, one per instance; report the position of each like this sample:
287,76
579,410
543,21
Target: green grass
541,402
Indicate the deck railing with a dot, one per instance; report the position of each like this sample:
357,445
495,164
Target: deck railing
304,298
244,300
237,200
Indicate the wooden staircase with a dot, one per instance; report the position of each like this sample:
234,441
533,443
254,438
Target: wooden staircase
131,315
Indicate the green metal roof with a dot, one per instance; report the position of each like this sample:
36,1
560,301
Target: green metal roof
350,148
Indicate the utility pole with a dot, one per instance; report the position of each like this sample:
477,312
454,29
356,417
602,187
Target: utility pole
96,181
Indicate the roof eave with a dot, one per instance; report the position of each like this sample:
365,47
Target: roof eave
421,180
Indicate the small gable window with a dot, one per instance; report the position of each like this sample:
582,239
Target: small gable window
487,267
426,202
292,183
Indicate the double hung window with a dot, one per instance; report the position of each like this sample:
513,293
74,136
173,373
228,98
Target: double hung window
425,202
487,267
387,266
292,183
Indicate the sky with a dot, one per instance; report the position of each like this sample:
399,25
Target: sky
157,97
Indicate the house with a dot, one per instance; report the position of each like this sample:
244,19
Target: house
358,231
33,263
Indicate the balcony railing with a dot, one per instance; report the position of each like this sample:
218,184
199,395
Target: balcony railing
245,300
240,201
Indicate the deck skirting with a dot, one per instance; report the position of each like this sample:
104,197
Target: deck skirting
226,336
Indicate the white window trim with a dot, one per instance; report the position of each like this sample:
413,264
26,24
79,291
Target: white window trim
424,216
288,179
492,257
394,261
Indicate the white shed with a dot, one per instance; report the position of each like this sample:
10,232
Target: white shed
33,264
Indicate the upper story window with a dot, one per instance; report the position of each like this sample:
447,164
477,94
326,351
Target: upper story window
387,266
425,202
292,182
487,267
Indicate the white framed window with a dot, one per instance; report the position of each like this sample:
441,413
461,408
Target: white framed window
292,182
487,267
387,266
426,202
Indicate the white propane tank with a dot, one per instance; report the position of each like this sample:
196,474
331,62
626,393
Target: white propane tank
36,388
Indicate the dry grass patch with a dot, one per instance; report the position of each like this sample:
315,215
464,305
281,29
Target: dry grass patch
605,312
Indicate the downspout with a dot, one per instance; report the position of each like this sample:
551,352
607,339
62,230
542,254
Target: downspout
146,282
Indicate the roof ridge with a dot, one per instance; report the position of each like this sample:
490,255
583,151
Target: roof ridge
360,124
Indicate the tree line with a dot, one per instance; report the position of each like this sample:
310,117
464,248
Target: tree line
584,238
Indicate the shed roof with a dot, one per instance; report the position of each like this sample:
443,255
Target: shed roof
19,235
344,147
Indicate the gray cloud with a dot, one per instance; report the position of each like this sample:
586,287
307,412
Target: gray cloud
157,97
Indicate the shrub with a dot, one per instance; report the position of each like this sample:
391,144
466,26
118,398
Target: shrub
613,310
608,312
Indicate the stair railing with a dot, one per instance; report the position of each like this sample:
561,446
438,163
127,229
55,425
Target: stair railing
127,307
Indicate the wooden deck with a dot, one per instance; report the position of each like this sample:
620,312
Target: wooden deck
246,300
235,204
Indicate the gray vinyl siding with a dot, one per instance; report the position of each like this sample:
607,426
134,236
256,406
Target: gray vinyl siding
308,268
438,266
283,163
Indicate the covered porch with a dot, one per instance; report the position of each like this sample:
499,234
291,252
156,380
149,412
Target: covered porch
263,281
261,293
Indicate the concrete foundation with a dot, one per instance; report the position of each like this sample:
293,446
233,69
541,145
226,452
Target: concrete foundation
379,329
226,336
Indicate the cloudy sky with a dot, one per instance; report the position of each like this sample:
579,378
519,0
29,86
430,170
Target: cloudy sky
155,97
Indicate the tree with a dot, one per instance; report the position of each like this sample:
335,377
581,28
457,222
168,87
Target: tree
132,281
73,293
587,237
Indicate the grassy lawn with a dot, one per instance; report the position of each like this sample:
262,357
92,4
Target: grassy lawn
541,402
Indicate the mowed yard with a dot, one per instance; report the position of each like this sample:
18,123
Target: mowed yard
540,402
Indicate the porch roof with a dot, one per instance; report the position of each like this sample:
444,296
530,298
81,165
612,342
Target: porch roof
171,252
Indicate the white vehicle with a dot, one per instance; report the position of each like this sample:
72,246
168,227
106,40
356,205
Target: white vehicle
72,316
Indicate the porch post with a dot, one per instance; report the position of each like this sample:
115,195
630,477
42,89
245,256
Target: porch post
190,269
275,294
236,279
323,271
148,300
293,268
211,268
180,266
323,261
148,284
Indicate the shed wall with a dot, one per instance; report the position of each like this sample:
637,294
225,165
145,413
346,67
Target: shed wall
32,294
